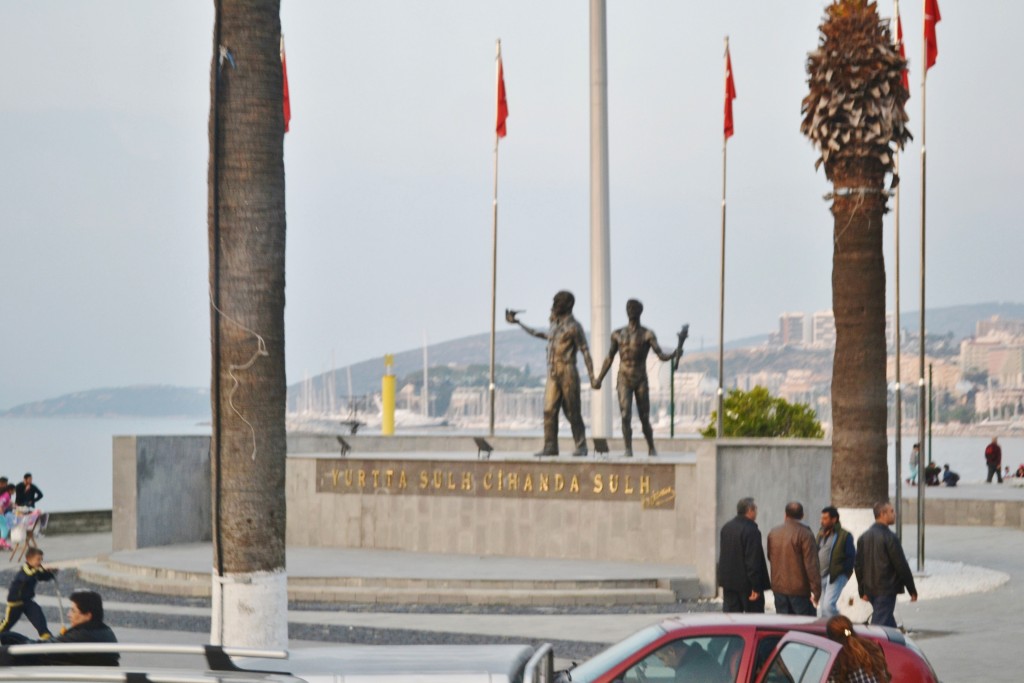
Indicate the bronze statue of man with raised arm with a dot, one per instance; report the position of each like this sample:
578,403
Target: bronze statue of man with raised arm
565,337
632,343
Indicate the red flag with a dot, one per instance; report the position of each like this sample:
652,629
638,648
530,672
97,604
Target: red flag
931,17
903,53
287,99
730,94
502,102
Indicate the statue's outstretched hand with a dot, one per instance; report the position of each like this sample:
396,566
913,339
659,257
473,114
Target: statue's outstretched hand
510,316
682,335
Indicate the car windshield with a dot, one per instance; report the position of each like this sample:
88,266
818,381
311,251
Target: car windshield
600,663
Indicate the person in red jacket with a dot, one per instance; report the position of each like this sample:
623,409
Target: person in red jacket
994,460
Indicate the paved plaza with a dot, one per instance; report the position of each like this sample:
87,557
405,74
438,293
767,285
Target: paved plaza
968,636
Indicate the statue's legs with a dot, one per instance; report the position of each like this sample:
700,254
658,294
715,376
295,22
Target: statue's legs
626,411
570,381
643,409
552,404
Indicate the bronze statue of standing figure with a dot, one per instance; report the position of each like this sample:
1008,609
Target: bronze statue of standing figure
632,343
565,337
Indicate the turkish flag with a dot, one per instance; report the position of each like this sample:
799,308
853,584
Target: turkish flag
502,102
730,95
931,17
287,102
903,53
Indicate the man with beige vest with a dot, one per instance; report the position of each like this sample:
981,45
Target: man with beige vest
793,555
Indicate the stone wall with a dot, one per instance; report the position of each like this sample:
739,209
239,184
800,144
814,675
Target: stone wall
707,486
565,527
161,491
773,472
80,522
162,496
966,512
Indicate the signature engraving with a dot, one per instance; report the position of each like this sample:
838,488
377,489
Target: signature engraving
660,498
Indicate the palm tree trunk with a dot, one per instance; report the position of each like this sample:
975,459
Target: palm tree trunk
247,240
859,463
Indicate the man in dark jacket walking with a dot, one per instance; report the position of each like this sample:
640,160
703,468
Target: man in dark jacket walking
742,570
793,553
881,567
836,553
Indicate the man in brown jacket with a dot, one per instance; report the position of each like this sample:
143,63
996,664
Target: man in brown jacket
793,554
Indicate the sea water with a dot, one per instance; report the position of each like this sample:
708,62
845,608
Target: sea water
71,459
965,455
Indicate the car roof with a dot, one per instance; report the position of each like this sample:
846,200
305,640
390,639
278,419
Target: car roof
786,622
736,619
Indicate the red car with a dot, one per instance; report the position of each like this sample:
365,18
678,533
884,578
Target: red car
734,648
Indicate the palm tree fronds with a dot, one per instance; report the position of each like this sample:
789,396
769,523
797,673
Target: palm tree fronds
856,106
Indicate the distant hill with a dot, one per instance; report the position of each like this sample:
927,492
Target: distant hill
960,320
138,401
513,349
760,359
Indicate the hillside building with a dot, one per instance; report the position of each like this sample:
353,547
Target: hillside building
823,330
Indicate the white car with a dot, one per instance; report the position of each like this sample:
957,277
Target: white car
334,664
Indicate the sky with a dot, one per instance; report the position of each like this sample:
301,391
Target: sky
390,175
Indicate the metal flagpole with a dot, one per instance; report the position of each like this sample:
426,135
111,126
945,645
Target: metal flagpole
922,398
494,249
672,399
898,390
721,280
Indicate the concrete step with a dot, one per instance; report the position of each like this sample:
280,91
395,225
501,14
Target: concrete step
483,596
407,591
103,575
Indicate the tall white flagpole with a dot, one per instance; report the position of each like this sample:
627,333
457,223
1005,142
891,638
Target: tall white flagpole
494,247
922,406
720,430
600,261
898,390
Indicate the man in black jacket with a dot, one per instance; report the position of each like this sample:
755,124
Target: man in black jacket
881,567
742,570
86,618
26,494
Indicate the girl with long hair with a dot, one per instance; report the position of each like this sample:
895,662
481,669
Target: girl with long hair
860,660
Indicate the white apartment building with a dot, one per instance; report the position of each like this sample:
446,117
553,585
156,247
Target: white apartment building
999,356
823,330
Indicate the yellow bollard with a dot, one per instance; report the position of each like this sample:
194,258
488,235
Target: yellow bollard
387,391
